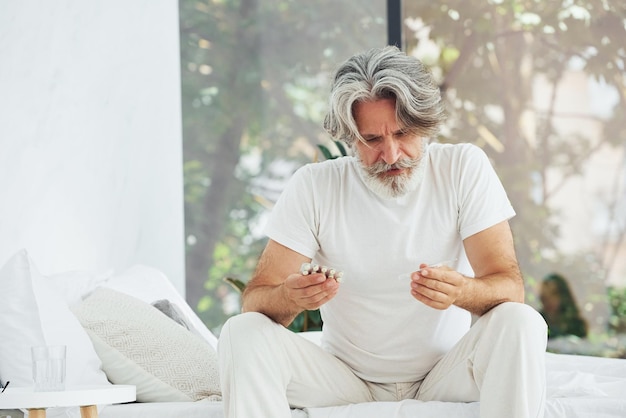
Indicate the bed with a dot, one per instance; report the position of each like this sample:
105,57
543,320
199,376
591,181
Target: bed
578,387
82,310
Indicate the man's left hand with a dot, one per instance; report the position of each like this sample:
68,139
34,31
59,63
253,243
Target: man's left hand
437,287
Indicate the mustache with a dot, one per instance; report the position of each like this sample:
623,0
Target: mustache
382,167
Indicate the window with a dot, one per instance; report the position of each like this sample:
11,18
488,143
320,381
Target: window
540,87
255,81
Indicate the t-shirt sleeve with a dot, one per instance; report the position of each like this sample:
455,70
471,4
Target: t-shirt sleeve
293,221
483,202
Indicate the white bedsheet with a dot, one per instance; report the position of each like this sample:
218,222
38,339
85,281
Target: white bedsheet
200,409
578,387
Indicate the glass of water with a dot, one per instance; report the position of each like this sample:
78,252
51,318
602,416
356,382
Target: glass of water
49,367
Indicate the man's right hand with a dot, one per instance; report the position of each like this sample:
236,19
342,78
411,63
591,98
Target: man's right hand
311,291
279,290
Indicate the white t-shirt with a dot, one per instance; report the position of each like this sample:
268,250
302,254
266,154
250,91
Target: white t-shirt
374,325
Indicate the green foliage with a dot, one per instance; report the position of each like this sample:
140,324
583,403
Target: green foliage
254,88
237,284
617,301
326,152
254,91
307,321
492,59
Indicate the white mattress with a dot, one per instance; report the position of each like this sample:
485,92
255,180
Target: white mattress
578,387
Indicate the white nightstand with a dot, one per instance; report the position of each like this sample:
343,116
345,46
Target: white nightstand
85,397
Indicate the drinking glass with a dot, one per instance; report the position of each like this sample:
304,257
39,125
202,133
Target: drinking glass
49,367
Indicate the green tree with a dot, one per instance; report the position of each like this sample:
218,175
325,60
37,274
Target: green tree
492,57
254,88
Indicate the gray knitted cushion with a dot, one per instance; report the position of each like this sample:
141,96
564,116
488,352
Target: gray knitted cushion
140,346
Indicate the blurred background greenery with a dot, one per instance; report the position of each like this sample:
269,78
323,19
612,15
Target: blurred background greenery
540,86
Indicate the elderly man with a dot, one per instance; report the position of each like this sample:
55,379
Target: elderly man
398,325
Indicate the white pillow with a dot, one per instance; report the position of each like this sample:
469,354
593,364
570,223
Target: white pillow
140,345
34,312
76,284
149,285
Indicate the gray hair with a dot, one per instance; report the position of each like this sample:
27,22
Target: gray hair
384,73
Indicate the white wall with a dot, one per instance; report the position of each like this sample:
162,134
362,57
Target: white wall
90,135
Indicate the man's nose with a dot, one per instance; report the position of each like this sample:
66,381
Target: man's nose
390,151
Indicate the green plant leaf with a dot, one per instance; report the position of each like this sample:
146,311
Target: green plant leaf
325,151
237,284
342,149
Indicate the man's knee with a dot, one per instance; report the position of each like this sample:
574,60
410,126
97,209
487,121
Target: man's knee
245,327
519,318
246,321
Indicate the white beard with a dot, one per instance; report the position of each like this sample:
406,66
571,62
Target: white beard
389,187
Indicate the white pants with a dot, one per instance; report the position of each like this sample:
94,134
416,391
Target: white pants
265,369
